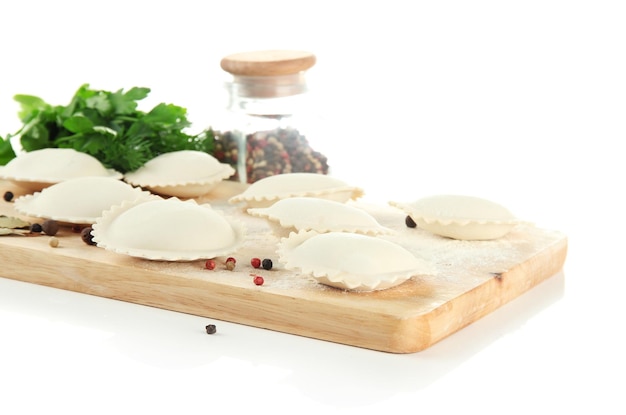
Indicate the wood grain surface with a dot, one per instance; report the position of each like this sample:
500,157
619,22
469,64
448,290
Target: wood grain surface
471,279
268,62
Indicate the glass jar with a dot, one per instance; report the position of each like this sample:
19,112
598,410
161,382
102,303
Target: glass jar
269,121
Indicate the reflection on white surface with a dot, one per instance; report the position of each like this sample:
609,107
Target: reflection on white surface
143,348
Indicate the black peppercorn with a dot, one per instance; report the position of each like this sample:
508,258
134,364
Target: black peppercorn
410,222
36,228
267,264
211,329
86,236
8,196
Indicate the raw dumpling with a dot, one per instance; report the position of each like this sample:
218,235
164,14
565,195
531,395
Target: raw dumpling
267,191
321,215
460,217
350,261
35,170
81,200
168,230
185,174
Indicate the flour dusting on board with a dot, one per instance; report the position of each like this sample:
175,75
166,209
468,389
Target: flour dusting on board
457,265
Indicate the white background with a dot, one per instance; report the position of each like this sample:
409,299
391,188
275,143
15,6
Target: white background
522,102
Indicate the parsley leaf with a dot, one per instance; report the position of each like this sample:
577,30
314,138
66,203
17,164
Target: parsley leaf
6,151
106,125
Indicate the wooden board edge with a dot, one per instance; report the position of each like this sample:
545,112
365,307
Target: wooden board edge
420,332
262,309
254,307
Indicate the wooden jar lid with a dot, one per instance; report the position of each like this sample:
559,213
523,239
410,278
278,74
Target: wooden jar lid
268,62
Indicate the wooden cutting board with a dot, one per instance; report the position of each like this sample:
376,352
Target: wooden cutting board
471,279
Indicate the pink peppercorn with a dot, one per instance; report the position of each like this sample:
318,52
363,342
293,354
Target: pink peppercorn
258,280
255,262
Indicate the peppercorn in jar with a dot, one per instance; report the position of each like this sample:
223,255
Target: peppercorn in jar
269,116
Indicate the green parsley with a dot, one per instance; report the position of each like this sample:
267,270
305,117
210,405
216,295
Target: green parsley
6,151
106,125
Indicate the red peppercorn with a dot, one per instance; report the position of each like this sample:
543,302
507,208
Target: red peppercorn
255,262
231,259
209,264
258,280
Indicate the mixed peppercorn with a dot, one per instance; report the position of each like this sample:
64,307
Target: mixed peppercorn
48,227
267,153
231,262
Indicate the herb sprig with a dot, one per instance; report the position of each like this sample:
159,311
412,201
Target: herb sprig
106,125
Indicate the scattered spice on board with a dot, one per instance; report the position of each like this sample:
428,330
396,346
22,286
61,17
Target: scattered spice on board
86,236
267,264
50,227
410,222
255,262
257,279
